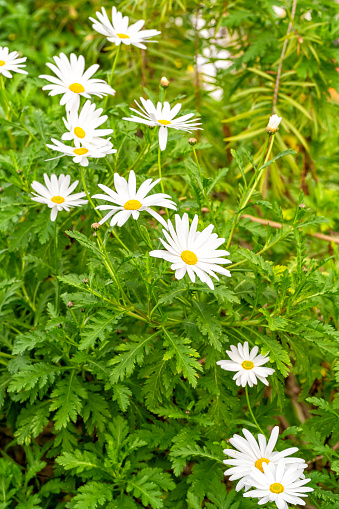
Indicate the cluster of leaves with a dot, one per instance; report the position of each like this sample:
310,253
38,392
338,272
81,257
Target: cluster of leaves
117,401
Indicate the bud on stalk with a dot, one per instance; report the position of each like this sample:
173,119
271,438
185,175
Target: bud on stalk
164,82
273,124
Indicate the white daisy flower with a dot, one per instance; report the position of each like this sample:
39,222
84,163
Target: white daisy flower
73,82
247,365
9,61
193,252
249,454
130,201
163,116
83,127
57,194
81,154
273,124
119,32
280,484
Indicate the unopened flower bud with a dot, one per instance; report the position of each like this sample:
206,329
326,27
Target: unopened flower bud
192,141
60,326
94,234
1,189
85,281
164,82
82,310
95,226
19,171
70,304
273,124
302,205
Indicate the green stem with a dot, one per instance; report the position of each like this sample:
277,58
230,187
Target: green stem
197,162
264,249
260,171
110,268
119,240
141,153
250,409
4,97
84,185
159,166
251,186
56,266
112,73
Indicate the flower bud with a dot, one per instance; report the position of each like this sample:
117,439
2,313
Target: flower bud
85,281
1,189
82,310
164,82
273,124
19,171
95,226
70,304
192,141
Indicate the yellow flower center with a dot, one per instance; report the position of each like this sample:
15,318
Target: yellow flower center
77,88
276,487
58,199
123,36
80,151
247,365
259,463
189,257
2,62
132,205
164,122
79,132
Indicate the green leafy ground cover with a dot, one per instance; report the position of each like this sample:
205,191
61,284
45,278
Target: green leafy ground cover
117,402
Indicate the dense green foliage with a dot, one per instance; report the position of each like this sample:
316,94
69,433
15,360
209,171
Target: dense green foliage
117,402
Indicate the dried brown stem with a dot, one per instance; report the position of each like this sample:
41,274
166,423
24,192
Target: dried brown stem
290,26
274,224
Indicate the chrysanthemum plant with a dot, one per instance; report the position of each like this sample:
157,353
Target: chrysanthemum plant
133,280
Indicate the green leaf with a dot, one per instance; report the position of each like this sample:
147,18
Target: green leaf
282,154
122,394
134,352
208,322
28,341
67,399
98,328
240,164
80,462
85,241
184,356
93,495
31,422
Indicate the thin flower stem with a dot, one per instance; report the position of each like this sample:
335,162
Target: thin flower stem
250,409
197,162
159,166
208,202
4,97
119,240
84,185
264,249
110,267
112,73
141,235
141,153
260,172
251,186
56,266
